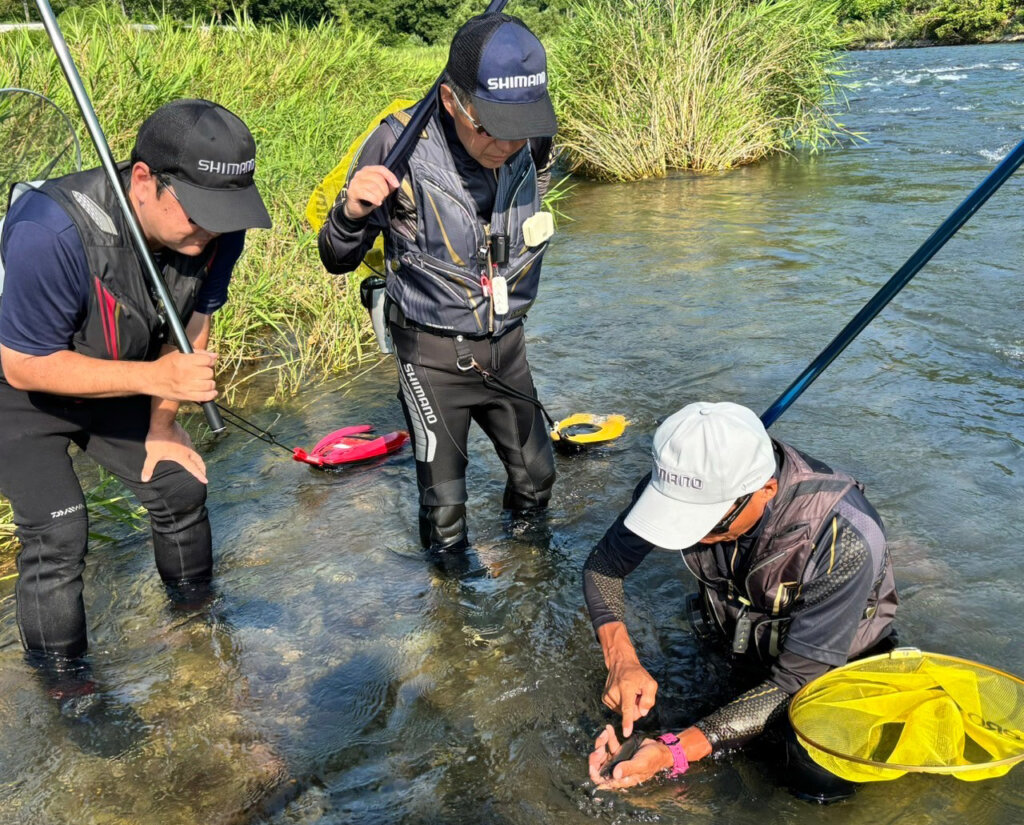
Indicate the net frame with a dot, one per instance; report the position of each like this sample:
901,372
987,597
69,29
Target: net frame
894,770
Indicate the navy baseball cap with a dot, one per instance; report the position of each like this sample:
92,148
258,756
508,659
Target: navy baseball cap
209,155
502,65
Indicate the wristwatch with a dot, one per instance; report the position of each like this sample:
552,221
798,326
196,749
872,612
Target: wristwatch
679,761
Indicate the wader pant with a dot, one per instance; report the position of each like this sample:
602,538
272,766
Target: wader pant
37,476
440,401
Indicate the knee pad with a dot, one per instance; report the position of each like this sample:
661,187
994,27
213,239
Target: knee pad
175,500
530,486
443,527
58,549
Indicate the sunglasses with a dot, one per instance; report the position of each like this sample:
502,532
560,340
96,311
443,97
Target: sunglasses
166,182
478,127
723,526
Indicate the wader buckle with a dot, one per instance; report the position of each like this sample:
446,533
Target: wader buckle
464,359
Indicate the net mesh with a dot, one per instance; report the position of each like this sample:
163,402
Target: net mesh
909,711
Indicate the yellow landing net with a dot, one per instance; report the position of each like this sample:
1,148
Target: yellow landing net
909,711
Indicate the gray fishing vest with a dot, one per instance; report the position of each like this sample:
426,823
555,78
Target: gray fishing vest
435,269
122,320
808,494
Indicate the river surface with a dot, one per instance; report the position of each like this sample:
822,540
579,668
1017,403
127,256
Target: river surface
339,677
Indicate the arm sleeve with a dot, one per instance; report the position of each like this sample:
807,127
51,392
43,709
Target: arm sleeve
544,157
213,294
745,718
617,555
834,594
343,242
46,284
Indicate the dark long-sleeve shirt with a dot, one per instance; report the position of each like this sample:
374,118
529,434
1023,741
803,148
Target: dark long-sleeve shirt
823,621
343,242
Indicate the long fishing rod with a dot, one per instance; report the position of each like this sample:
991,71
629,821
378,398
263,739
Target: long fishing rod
996,178
425,109
67,65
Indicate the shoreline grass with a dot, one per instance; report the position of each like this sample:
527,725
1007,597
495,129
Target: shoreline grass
704,85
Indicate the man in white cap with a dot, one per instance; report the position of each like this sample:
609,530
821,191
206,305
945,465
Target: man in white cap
792,569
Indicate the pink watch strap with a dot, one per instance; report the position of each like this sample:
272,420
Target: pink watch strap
679,761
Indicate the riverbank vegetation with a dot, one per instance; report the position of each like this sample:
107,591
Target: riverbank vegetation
642,88
929,22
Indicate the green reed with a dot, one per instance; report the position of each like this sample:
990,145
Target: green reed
645,86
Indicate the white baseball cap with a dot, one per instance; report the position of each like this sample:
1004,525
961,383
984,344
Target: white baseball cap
705,457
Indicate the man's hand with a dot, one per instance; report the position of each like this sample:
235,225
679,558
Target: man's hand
172,444
180,377
368,189
652,757
630,691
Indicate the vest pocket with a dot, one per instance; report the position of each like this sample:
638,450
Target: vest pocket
448,230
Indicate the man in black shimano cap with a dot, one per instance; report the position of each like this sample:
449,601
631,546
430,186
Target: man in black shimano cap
464,237
86,360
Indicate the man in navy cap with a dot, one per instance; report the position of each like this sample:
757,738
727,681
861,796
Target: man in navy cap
464,238
85,356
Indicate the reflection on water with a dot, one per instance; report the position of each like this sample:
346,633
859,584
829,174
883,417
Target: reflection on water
339,677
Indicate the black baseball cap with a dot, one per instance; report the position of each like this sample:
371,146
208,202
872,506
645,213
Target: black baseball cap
209,155
502,65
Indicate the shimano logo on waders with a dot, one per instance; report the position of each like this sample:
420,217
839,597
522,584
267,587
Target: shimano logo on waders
420,395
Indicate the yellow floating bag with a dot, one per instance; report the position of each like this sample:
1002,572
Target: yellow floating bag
324,195
909,711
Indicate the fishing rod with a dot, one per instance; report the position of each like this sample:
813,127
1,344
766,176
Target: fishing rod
67,65
425,109
996,178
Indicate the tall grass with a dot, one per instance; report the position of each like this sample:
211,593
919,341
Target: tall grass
305,93
645,86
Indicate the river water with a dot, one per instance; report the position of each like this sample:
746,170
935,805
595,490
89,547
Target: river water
340,678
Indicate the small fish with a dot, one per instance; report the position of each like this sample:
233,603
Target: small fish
626,752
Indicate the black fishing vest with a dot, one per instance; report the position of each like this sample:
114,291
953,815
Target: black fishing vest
807,497
122,321
438,270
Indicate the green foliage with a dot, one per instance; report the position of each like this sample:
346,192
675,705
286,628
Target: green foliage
930,21
959,21
644,86
869,9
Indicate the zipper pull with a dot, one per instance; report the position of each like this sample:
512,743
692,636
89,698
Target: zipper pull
741,637
485,285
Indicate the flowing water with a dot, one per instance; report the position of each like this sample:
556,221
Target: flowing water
341,678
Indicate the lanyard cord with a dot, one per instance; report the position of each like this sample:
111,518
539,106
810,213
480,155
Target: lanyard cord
252,429
512,391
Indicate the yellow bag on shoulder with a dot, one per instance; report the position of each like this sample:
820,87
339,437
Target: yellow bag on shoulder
324,195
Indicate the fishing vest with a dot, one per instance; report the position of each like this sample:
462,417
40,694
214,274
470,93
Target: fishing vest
439,269
754,612
122,321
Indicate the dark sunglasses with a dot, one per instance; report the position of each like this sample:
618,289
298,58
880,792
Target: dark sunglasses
737,508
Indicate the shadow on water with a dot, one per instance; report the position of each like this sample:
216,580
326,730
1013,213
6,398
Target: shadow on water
341,677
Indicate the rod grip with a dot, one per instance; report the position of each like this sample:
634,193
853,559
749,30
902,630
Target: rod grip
213,417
